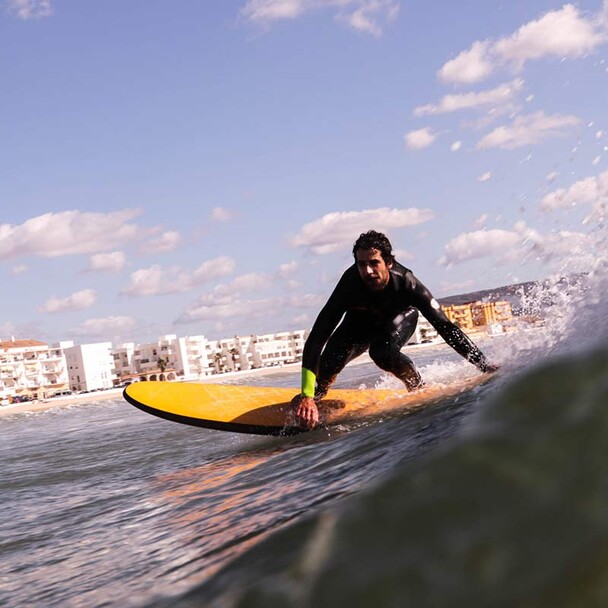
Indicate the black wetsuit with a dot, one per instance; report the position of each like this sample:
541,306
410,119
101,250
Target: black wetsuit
382,322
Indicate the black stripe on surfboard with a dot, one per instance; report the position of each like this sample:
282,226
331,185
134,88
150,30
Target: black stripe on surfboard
234,427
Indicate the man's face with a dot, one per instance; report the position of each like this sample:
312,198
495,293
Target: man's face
373,269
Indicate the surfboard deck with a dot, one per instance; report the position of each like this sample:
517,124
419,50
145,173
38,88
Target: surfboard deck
267,410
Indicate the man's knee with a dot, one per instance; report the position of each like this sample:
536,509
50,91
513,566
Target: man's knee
385,354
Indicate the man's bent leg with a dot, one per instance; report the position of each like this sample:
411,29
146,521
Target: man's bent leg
385,349
344,345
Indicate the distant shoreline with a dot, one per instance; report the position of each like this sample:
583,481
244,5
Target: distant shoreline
114,393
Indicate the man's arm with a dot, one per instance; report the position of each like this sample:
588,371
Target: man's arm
307,412
451,333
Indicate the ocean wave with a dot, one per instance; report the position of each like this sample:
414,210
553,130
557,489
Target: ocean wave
514,511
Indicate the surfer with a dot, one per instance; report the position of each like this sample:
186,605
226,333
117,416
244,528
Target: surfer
378,301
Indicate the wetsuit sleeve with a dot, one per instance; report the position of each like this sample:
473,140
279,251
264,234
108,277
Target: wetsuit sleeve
323,327
451,333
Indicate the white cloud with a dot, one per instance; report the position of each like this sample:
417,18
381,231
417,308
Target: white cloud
77,301
560,33
568,249
157,280
566,246
419,139
266,11
403,255
220,214
230,309
30,9
485,177
469,66
243,283
67,233
105,327
591,190
480,222
563,33
214,269
288,270
366,16
167,241
336,230
456,146
19,269
552,176
508,245
114,261
528,130
502,95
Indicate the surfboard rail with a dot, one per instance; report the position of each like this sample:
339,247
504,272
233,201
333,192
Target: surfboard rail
268,410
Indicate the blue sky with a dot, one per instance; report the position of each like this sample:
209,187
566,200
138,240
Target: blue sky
204,167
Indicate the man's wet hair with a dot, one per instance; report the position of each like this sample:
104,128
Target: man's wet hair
375,240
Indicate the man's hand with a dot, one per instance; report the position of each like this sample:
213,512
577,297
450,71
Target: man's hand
307,413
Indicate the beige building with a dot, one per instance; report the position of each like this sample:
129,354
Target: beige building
478,314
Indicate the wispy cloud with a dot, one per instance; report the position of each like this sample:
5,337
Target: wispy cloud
116,328
504,244
221,214
227,309
165,242
114,261
77,301
157,280
68,233
336,230
30,9
517,245
367,16
528,130
502,95
19,269
589,191
231,300
563,33
419,139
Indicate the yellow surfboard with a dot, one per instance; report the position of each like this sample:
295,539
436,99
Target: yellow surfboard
267,410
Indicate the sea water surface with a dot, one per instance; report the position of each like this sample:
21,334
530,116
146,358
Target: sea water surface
497,497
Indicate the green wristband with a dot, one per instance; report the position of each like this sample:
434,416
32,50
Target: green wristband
308,382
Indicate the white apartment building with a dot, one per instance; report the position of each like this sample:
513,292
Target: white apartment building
189,357
196,357
90,366
31,369
278,349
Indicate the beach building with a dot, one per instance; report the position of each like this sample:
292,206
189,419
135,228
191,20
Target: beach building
474,315
277,349
170,357
90,366
488,313
193,356
123,361
425,332
196,357
30,369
